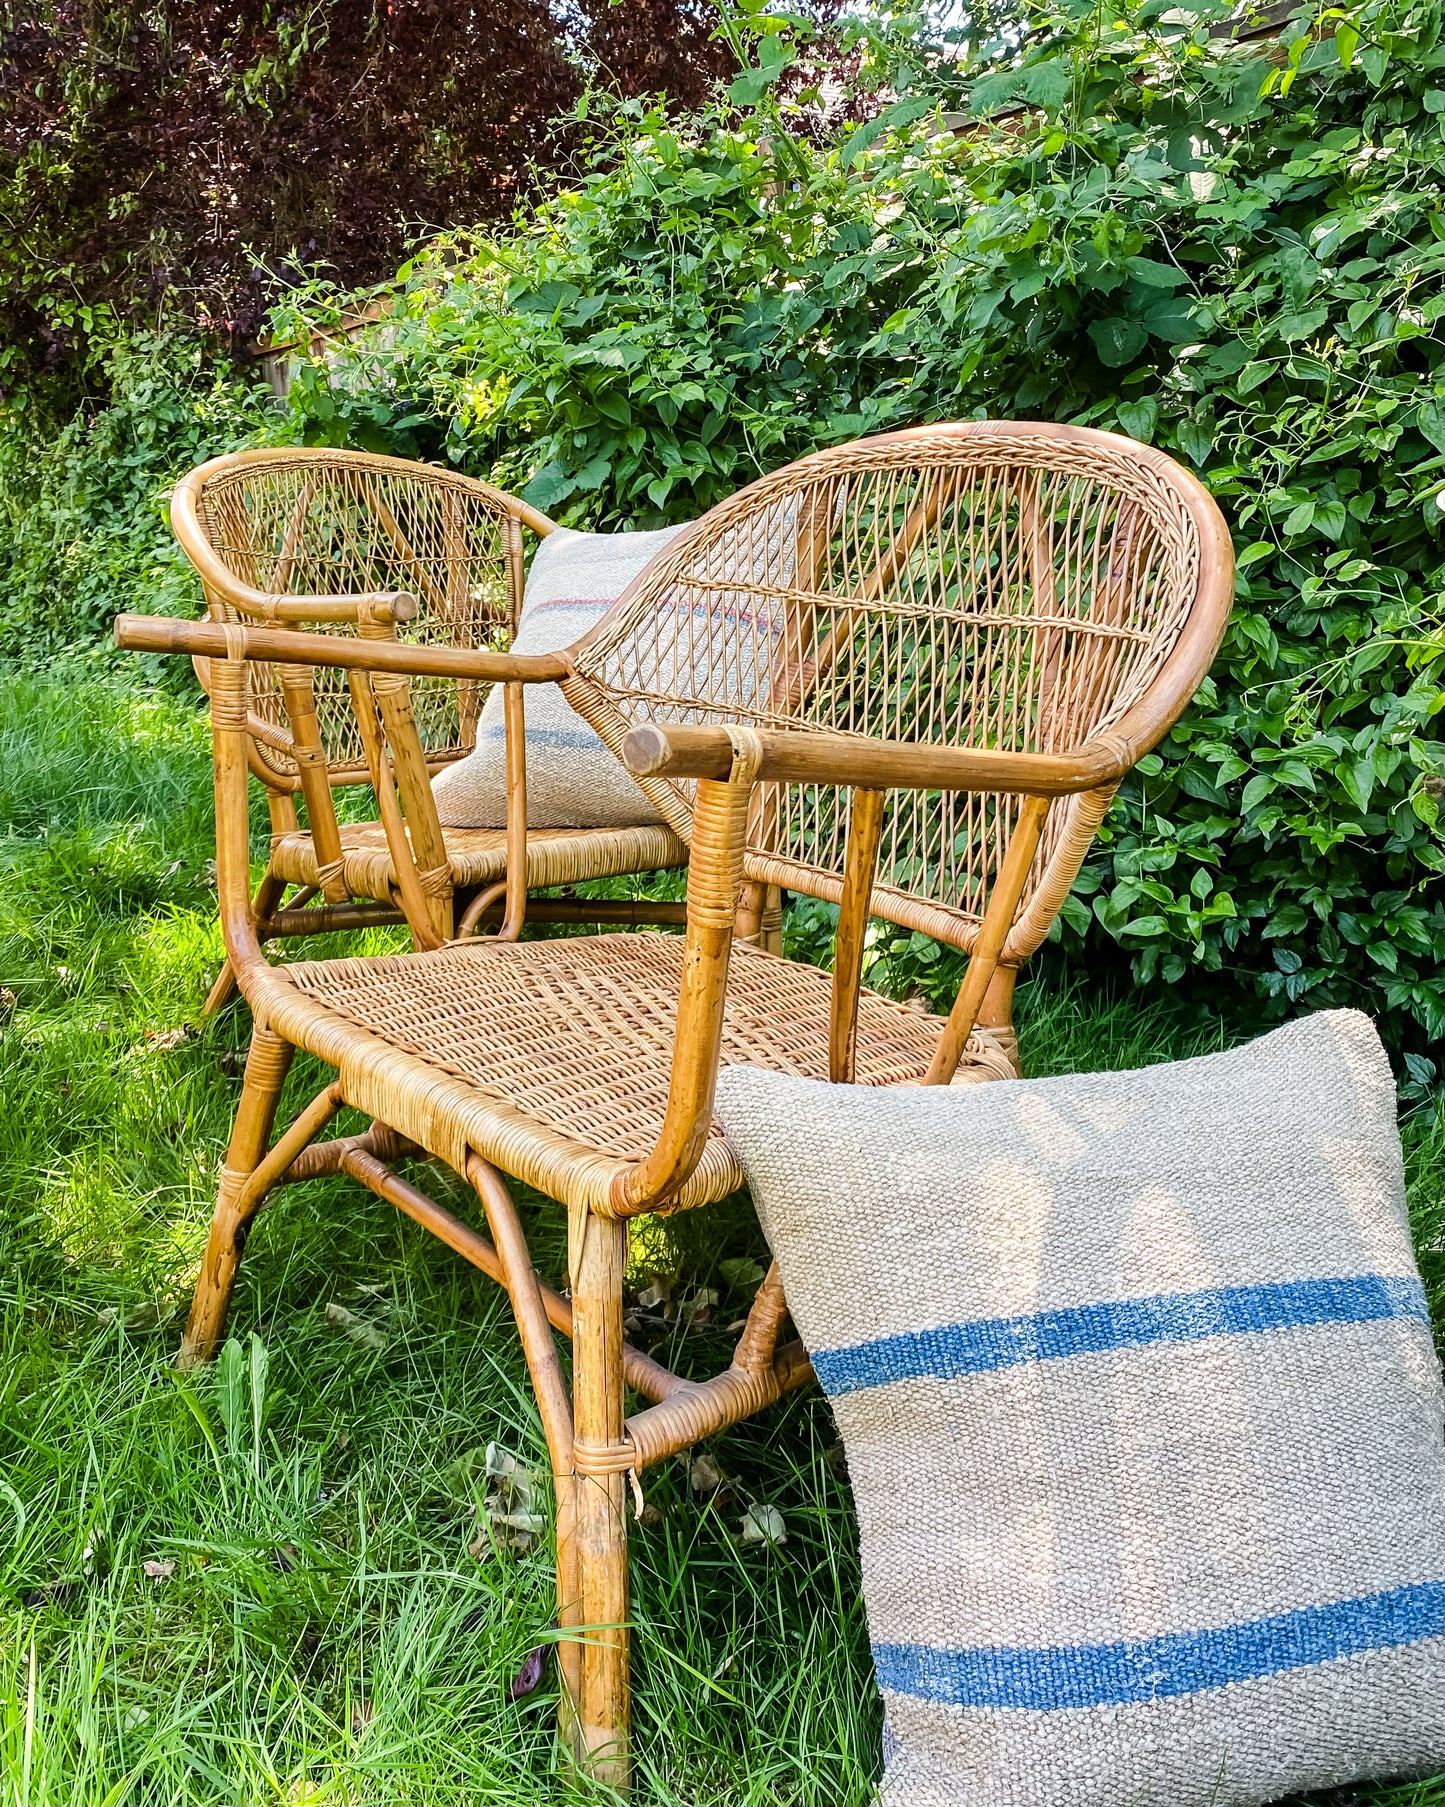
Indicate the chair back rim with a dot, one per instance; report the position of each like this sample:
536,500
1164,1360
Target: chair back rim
189,494
1212,600
1201,625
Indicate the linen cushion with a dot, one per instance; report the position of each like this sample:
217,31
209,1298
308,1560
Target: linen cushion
1141,1408
573,779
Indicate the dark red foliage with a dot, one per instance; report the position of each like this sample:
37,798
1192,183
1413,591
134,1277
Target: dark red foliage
205,150
657,46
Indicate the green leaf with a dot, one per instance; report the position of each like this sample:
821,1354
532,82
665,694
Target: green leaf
1254,376
1195,439
1118,341
1358,781
1047,84
1299,518
775,54
1347,40
231,1391
990,92
1258,788
1146,926
1253,553
547,297
260,1361
1138,419
1225,360
1375,62
1430,417
1155,275
552,484
1175,321
594,473
1330,518
1299,326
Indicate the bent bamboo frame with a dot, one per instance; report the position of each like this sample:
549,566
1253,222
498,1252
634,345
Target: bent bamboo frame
311,538
421,1104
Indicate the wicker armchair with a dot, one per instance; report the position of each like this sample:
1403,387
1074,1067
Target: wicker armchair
313,538
905,676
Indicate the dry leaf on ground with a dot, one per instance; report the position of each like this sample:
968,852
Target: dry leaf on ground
358,1329
763,1524
696,1309
704,1474
512,1520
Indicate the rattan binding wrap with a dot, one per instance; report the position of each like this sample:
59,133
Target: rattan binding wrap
977,585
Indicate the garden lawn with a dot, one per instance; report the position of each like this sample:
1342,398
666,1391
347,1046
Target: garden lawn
313,1628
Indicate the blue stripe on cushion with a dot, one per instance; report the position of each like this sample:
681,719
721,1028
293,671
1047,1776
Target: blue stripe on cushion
1107,1675
989,1343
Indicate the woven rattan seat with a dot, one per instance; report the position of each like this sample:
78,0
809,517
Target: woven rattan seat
903,678
578,1035
478,856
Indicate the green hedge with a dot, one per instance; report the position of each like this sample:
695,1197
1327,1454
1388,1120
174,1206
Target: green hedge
83,529
1232,251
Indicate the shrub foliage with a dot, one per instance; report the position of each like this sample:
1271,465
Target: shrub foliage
175,155
1230,249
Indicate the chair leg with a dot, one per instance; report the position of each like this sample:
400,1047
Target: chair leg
752,904
222,991
268,895
996,1013
599,1732
266,1067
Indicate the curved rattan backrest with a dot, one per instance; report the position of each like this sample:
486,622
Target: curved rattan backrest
305,521
990,584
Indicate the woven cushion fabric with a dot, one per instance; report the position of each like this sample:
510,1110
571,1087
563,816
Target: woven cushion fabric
573,780
1142,1413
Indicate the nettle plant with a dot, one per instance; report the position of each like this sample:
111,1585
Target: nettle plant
1232,249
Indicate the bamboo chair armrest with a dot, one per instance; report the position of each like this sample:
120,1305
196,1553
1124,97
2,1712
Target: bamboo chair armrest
657,750
278,646
373,605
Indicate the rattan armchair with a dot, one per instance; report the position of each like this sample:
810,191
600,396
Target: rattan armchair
315,538
908,675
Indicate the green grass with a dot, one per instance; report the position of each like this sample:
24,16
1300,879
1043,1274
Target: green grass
370,1661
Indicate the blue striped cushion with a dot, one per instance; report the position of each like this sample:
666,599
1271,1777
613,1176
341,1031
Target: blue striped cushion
1142,1413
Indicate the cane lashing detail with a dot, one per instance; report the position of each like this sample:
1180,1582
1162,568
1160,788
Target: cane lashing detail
1014,588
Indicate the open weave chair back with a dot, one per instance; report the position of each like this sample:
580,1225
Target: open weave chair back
989,584
320,522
